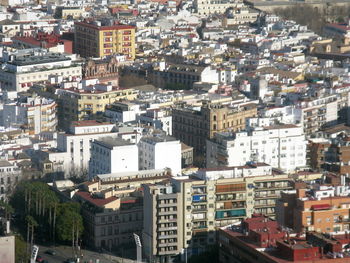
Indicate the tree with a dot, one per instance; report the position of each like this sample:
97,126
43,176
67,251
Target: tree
31,225
7,209
69,222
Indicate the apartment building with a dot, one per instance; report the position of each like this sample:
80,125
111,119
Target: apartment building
318,113
281,146
35,114
321,209
159,152
110,221
82,101
162,228
73,147
104,38
111,155
212,198
193,126
27,67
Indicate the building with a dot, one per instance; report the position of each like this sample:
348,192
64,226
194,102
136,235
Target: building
52,42
110,220
73,147
101,69
123,111
321,209
10,175
281,146
182,76
186,155
21,71
206,7
86,100
160,119
336,30
35,114
212,198
111,155
240,15
159,152
193,126
7,249
99,39
162,227
259,239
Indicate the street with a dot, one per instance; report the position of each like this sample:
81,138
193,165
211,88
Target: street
65,252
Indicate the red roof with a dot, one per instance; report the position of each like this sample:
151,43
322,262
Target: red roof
320,207
96,201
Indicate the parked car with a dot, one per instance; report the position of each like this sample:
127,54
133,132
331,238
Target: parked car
39,259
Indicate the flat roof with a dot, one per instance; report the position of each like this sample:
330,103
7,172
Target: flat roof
110,142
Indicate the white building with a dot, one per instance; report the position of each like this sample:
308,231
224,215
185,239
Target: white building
159,152
281,146
74,147
160,119
35,114
112,155
33,66
122,112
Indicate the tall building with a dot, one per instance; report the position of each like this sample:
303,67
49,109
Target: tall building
193,126
210,198
104,38
162,227
281,146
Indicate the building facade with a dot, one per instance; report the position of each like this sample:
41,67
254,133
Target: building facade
281,146
98,39
193,126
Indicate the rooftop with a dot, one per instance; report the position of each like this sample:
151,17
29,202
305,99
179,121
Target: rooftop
110,142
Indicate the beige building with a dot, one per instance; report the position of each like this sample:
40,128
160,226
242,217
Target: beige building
194,126
207,7
77,104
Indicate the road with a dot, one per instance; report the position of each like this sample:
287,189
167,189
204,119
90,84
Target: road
65,252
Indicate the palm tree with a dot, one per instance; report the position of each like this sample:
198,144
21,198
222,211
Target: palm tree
31,224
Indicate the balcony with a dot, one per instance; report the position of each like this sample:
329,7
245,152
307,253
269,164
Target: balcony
199,198
164,213
230,213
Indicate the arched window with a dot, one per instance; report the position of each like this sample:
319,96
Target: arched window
214,118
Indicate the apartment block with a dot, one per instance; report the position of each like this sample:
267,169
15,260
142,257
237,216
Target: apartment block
104,38
34,114
213,198
193,126
162,229
73,147
159,152
24,69
82,101
321,209
281,146
111,155
10,175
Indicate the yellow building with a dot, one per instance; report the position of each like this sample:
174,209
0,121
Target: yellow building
81,104
93,39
